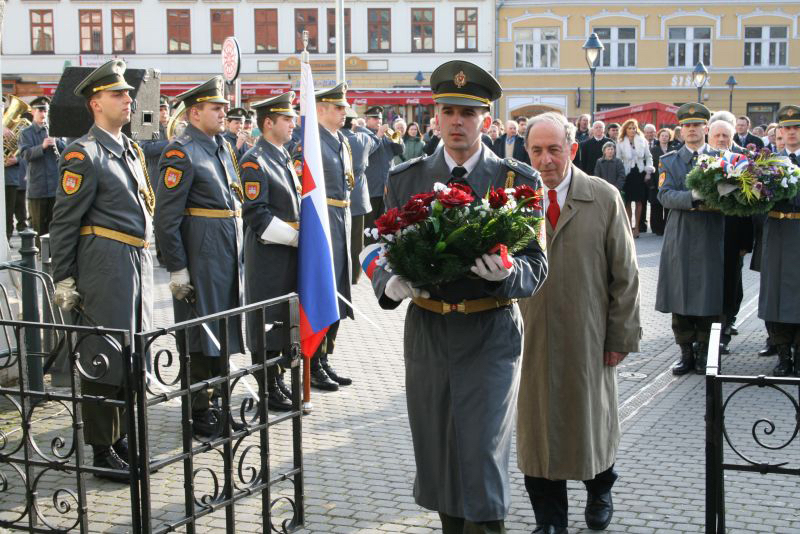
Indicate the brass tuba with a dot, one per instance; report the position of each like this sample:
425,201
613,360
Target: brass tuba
13,120
396,137
176,122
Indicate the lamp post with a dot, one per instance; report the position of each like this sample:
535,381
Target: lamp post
592,47
699,77
731,83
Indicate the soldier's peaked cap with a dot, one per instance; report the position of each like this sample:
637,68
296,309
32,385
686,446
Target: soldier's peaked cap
211,91
336,95
789,116
236,114
40,102
107,77
281,104
693,113
464,84
374,111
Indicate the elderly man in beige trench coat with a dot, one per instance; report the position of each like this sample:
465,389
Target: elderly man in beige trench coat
580,325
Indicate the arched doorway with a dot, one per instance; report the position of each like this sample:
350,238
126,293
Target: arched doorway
530,111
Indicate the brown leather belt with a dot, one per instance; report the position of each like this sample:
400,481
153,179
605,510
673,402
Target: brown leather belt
338,203
465,306
783,215
212,214
701,207
115,235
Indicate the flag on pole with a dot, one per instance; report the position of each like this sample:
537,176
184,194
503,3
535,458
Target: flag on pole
316,285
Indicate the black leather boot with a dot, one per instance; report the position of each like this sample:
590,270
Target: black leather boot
285,389
105,457
768,350
599,510
784,367
341,380
276,400
701,359
320,379
686,364
205,424
121,448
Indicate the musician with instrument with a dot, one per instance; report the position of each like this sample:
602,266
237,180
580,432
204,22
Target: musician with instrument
41,152
14,121
380,161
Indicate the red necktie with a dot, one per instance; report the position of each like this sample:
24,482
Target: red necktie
553,211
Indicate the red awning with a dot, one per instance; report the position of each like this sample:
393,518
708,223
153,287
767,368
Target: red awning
656,113
390,96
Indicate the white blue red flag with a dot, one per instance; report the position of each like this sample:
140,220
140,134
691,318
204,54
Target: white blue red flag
370,258
316,285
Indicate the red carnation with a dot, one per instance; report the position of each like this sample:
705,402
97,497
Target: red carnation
498,198
521,192
458,195
414,211
389,222
425,198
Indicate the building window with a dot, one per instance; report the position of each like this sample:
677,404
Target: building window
179,31
536,48
620,47
123,31
688,45
221,27
762,112
91,28
765,46
422,30
466,29
379,29
266,24
332,30
306,19
42,31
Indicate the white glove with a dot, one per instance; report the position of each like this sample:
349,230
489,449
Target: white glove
398,288
490,267
649,169
65,296
179,284
696,195
280,233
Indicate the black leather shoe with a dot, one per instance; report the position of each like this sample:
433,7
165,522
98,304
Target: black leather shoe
321,380
784,367
276,400
342,381
768,350
550,529
599,510
701,359
723,348
285,389
205,424
106,457
686,363
734,331
121,448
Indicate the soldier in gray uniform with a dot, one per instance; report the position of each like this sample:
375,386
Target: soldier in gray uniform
779,296
271,212
41,152
199,230
234,133
100,236
380,161
363,146
690,275
463,339
337,166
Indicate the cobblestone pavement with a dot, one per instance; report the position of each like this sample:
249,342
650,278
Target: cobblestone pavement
359,462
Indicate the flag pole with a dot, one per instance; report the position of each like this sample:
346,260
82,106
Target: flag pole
307,406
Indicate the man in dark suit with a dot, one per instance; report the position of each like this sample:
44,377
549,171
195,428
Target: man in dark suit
743,136
591,149
510,144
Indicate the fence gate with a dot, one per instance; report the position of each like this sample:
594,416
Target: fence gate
247,476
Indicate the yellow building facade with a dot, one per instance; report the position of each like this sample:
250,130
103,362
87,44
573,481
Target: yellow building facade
650,51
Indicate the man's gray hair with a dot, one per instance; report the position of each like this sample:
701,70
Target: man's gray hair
649,127
601,123
556,119
722,123
723,115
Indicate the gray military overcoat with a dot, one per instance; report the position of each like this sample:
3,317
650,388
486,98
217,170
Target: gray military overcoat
101,185
362,146
271,190
462,371
691,270
779,295
43,171
196,171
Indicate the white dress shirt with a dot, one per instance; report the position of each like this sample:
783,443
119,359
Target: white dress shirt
469,164
562,190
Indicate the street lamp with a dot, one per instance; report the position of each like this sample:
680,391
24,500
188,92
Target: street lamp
731,83
592,47
699,77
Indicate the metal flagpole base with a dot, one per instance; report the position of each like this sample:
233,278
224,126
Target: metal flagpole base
307,408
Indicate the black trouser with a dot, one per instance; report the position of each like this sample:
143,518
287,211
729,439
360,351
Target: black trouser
783,333
658,216
103,424
273,371
691,328
326,347
732,291
15,207
42,214
459,525
356,245
549,497
369,218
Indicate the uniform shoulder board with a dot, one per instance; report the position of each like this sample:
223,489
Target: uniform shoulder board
520,168
405,165
184,139
669,155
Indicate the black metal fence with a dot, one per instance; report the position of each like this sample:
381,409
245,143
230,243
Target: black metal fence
763,435
250,470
